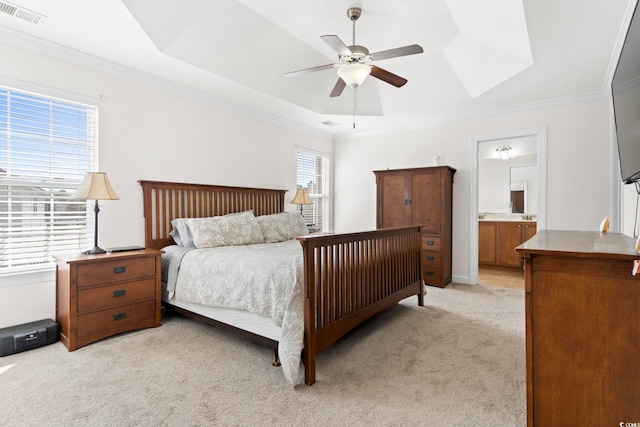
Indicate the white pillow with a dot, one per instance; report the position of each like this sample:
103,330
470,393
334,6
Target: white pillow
180,232
282,226
228,230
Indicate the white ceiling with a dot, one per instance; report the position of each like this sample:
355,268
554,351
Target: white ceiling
479,57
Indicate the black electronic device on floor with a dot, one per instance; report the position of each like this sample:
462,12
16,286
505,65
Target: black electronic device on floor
15,339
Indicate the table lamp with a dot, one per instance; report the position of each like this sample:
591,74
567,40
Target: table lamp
95,186
301,198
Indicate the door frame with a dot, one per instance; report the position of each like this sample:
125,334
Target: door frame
541,139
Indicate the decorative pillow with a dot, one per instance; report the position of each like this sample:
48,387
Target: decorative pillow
228,230
282,226
180,232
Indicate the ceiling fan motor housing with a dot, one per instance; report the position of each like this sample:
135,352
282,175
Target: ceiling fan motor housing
358,54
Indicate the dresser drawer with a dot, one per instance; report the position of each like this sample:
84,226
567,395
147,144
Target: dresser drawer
100,324
431,275
431,259
93,299
116,270
431,243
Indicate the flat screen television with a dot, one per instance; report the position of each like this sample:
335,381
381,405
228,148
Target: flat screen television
625,89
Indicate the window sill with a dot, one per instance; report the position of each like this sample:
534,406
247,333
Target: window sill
23,278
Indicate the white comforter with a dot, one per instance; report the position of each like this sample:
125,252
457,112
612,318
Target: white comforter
266,279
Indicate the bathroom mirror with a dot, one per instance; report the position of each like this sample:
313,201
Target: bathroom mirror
523,188
507,176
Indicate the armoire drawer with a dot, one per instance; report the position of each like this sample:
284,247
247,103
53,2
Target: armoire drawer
431,259
431,243
431,275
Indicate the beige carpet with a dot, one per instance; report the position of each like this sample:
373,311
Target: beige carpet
458,361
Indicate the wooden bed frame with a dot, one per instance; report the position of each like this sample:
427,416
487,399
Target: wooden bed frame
348,278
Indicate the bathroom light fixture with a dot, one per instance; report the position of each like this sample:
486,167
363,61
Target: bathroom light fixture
503,152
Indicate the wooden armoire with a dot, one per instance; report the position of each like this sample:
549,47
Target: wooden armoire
420,196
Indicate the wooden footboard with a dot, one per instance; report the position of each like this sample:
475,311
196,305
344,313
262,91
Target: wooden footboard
350,277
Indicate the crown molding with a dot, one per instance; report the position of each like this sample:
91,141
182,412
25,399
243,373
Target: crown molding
448,120
82,59
75,57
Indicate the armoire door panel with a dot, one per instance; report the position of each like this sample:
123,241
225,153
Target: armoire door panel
393,205
425,201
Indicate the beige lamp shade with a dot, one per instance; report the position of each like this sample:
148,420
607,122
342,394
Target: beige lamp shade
95,186
301,197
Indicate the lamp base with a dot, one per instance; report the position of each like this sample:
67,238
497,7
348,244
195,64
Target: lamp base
95,250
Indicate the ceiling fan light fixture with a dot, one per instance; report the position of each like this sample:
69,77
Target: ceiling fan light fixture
354,74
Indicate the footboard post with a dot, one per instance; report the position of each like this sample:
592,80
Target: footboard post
309,351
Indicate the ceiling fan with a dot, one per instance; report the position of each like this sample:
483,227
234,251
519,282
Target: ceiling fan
354,61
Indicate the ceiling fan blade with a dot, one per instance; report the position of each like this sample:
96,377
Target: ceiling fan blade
309,70
387,76
398,51
338,88
337,45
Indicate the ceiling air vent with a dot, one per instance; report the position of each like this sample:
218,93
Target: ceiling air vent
329,123
21,12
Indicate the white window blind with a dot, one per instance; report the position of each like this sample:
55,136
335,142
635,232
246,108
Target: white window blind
313,174
46,146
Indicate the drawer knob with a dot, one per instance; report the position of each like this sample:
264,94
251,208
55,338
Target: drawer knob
430,242
119,316
119,293
429,273
118,270
430,258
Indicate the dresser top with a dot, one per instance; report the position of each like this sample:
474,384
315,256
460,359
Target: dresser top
580,243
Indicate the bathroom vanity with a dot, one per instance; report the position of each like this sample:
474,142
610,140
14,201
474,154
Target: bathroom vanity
498,238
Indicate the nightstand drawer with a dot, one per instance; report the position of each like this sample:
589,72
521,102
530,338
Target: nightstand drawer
115,320
118,294
431,243
116,270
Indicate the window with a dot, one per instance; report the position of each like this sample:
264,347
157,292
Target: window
46,146
313,174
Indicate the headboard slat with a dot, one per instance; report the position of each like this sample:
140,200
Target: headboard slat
165,201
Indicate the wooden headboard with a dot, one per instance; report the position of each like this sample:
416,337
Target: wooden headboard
164,201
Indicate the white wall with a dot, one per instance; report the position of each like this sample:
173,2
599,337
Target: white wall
152,134
155,134
578,162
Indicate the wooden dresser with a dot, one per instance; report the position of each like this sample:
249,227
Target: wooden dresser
103,295
582,329
420,196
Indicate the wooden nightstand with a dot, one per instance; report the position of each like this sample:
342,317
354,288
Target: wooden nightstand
102,295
